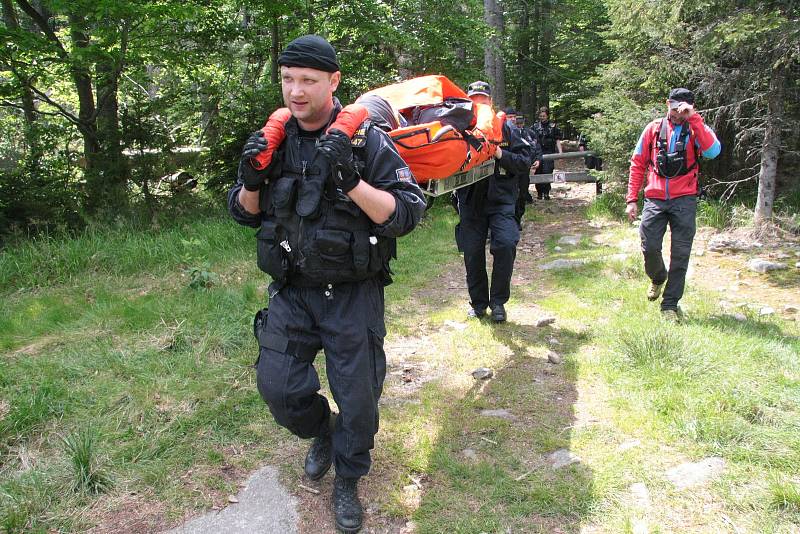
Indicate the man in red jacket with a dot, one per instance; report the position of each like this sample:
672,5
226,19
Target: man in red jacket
667,154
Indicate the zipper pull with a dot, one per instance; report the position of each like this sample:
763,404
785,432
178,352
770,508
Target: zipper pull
286,246
305,164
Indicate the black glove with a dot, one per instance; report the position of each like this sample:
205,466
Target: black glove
252,178
337,148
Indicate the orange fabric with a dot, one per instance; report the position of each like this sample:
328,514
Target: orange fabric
451,153
274,133
349,119
422,91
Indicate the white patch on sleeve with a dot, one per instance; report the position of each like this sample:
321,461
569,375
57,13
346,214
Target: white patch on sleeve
404,174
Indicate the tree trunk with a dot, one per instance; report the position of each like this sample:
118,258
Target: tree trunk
110,166
493,61
545,43
275,49
28,104
488,50
83,86
310,14
771,147
524,64
536,24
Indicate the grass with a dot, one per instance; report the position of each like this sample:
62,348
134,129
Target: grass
113,368
112,340
82,451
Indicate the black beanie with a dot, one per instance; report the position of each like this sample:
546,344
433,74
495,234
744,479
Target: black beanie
310,51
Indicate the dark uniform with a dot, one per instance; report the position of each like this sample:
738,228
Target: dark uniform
329,263
490,204
547,133
524,179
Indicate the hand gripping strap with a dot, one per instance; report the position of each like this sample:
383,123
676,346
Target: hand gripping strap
349,119
274,133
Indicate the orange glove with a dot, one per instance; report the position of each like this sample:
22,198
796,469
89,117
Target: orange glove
274,134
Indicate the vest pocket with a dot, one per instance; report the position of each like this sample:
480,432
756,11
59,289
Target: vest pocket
334,245
273,257
283,196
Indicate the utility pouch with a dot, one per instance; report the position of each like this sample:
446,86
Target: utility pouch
273,250
309,196
361,251
334,245
259,322
283,195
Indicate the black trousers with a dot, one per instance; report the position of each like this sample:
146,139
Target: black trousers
346,321
546,167
471,236
524,195
679,213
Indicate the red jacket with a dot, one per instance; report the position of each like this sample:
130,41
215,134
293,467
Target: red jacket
643,161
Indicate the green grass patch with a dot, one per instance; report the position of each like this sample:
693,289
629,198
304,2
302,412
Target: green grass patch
124,378
609,205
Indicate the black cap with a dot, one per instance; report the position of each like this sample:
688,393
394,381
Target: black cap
679,94
479,88
510,111
310,51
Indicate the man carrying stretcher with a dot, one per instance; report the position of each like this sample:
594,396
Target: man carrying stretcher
490,205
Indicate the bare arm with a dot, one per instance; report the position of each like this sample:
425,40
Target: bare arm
379,205
249,201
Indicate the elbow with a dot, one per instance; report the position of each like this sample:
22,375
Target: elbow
713,151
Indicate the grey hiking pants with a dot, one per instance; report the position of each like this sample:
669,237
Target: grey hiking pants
680,214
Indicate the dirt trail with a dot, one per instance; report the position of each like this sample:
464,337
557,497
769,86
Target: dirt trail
410,367
407,373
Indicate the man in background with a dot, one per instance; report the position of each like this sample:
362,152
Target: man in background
549,136
490,205
667,153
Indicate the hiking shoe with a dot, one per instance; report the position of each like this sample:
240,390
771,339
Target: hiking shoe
671,316
320,455
473,313
655,291
498,313
346,506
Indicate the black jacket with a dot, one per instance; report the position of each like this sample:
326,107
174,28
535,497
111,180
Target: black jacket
498,193
383,169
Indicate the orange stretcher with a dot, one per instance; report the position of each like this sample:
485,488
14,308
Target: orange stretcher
439,149
452,150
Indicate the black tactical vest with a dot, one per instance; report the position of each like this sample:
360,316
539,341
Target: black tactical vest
311,233
672,164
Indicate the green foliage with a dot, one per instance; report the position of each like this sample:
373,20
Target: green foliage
609,205
714,213
201,277
89,475
785,494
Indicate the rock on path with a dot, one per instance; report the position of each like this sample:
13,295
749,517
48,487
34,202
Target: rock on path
563,264
692,474
763,266
264,506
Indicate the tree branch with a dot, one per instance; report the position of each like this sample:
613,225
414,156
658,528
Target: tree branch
42,23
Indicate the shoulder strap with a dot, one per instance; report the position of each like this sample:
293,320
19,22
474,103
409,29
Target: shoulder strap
663,133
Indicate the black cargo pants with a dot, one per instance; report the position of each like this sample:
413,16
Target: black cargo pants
524,182
680,214
471,235
347,321
546,167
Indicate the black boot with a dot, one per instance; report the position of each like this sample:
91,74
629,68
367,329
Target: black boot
346,506
320,454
